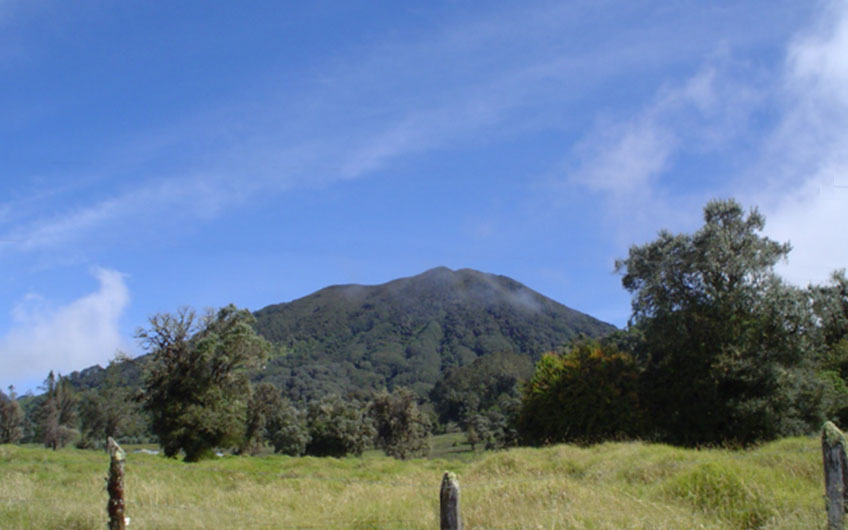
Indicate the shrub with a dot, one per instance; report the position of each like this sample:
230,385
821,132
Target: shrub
588,394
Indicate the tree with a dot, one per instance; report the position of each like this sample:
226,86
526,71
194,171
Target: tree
264,401
830,303
587,394
466,390
109,410
197,387
11,418
477,430
831,306
274,420
337,427
725,341
402,429
57,416
288,431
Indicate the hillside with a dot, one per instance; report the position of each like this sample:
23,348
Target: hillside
409,331
354,338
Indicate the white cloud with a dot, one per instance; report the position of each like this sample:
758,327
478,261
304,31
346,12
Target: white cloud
807,158
74,336
623,159
631,162
797,172
359,111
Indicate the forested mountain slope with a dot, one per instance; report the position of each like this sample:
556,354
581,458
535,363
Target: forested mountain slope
409,331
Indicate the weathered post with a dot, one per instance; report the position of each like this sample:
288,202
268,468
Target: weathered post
115,486
449,503
835,475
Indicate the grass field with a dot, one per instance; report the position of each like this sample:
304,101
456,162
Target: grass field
614,485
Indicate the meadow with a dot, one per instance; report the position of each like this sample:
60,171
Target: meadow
608,486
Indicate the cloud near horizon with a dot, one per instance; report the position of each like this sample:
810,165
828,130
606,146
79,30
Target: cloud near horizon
71,337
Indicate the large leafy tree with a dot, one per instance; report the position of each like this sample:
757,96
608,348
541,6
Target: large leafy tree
338,427
403,430
197,387
287,430
272,419
726,346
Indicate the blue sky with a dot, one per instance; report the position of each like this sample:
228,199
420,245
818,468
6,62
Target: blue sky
154,155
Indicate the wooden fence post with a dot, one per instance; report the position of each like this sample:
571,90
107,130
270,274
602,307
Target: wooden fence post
449,503
115,486
835,475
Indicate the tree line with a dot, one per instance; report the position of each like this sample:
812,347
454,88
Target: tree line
197,398
718,350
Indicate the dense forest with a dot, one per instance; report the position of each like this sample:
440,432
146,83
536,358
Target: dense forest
719,351
409,332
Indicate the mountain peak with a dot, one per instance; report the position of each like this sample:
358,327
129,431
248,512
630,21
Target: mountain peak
409,330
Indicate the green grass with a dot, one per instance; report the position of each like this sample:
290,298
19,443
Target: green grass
609,486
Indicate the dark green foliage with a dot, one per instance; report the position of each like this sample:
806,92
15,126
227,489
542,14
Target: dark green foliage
830,303
272,419
337,427
263,404
831,306
483,397
409,331
56,416
197,388
482,385
11,418
110,409
587,394
402,428
288,430
494,427
725,346
122,371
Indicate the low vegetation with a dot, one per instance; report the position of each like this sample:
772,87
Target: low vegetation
611,485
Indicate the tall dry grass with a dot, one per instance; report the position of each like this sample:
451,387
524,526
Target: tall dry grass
610,486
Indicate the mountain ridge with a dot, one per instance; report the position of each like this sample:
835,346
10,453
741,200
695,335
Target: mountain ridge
408,331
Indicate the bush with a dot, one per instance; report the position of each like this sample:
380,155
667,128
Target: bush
402,429
337,427
588,394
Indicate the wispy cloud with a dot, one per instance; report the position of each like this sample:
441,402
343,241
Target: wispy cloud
390,108
796,161
472,79
79,334
807,157
631,163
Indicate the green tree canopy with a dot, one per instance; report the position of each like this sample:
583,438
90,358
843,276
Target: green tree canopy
402,429
587,394
197,387
109,410
830,302
56,416
337,427
11,418
726,346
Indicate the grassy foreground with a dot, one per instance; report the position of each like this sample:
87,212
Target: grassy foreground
614,485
